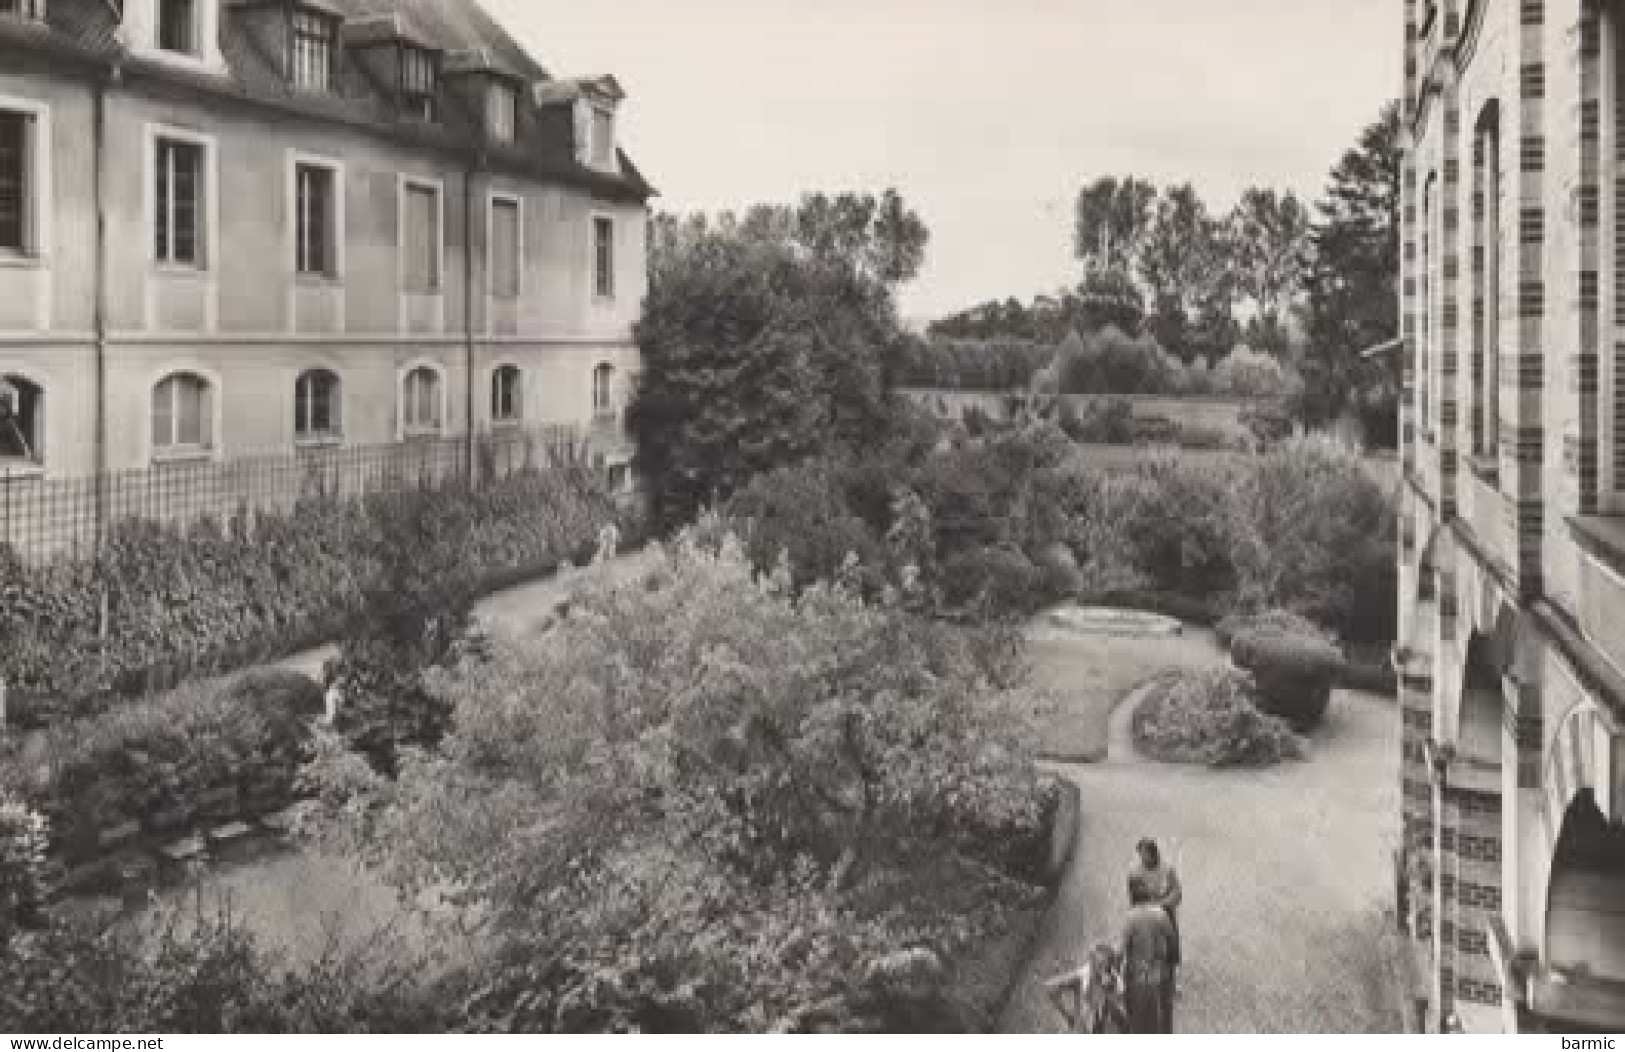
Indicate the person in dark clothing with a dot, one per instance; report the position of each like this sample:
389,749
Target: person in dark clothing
1148,938
1166,892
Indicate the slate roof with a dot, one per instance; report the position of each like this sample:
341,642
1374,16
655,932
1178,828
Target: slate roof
86,30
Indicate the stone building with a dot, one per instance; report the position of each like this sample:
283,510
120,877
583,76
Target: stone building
239,226
1512,573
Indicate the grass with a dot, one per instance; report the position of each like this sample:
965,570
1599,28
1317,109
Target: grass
1084,677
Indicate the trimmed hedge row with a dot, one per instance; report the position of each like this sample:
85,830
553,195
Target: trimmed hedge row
211,597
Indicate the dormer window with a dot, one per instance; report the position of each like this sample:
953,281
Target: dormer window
420,78
502,111
178,26
33,9
601,147
312,60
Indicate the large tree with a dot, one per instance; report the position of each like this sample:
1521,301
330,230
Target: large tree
1351,280
1185,264
767,339
1111,220
1269,233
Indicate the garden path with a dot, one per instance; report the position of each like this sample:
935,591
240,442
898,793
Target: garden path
516,609
1285,874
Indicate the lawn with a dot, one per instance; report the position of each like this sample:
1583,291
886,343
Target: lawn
1083,677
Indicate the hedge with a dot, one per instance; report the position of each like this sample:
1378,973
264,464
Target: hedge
1294,673
158,769
211,597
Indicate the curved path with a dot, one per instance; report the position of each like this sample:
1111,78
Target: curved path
1285,873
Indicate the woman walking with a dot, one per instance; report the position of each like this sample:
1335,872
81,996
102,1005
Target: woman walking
1166,892
1148,938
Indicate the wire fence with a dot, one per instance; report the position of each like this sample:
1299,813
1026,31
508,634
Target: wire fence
45,519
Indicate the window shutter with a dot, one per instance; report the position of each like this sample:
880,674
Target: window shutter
163,427
505,249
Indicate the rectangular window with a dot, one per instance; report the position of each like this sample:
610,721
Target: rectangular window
419,82
179,200
502,118
177,26
505,260
312,51
14,179
315,229
421,242
603,138
603,254
34,9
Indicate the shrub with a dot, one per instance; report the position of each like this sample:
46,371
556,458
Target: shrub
1211,717
216,596
993,581
1246,373
1268,424
1204,437
1323,540
23,844
162,763
1274,621
200,973
709,803
1294,673
802,513
1109,422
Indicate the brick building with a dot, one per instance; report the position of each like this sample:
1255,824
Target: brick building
1512,573
229,227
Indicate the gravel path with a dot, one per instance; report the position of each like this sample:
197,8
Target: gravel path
1285,874
516,609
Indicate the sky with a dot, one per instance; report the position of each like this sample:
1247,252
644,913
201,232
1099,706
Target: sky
987,115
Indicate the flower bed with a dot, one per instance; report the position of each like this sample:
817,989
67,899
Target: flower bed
1210,717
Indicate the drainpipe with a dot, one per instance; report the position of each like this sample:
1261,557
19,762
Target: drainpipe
114,74
476,164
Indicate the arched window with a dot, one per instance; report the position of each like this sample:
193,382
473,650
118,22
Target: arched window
182,414
421,410
22,422
506,404
1487,281
603,390
318,406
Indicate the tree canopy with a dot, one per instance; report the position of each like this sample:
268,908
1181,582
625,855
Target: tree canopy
766,338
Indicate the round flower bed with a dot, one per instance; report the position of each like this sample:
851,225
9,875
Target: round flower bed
1211,718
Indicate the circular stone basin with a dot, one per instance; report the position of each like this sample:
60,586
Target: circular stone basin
1100,620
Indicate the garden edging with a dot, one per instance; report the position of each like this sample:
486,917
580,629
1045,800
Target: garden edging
1063,848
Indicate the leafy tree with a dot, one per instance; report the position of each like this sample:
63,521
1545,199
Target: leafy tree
1111,221
1351,280
1269,233
766,340
1186,265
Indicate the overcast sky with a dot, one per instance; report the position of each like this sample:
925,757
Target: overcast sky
987,115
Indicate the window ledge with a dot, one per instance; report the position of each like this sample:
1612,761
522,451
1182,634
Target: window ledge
318,442
318,281
1486,467
1602,537
179,270
512,423
20,470
182,456
422,434
22,261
